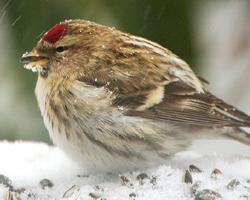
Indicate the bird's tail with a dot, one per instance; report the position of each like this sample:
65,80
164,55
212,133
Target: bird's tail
239,135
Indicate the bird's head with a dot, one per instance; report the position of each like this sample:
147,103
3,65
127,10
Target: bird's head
66,46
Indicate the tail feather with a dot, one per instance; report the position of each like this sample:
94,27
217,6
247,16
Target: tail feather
239,135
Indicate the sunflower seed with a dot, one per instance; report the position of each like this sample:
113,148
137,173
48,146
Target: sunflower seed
95,195
188,177
141,177
207,195
124,180
216,173
233,184
69,192
132,195
46,183
195,169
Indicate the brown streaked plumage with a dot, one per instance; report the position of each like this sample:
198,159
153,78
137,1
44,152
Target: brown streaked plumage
114,101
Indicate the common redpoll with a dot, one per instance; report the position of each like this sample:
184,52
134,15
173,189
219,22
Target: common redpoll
115,101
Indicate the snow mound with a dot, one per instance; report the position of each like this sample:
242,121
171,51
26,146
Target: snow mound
32,171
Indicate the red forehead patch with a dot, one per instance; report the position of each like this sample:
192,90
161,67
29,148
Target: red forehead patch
55,33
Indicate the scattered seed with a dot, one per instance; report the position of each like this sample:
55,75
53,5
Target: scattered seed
233,184
216,173
46,183
188,177
132,195
124,180
4,180
95,195
141,177
69,192
207,195
195,169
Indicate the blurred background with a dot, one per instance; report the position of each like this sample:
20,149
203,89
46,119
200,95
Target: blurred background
212,36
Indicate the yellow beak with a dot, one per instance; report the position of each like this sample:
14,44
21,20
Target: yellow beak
35,62
34,58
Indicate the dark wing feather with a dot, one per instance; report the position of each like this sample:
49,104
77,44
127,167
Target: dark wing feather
202,109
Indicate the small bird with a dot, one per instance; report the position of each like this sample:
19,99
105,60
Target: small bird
114,101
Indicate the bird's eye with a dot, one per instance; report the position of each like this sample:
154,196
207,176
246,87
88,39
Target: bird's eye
60,49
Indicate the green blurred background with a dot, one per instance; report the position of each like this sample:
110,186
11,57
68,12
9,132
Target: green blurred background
170,23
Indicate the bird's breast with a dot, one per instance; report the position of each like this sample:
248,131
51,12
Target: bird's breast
66,106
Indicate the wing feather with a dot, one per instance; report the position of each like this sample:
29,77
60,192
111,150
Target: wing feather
203,109
149,81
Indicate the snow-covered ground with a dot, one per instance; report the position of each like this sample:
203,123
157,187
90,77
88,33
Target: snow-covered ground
32,170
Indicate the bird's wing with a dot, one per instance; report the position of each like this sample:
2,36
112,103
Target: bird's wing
149,81
201,109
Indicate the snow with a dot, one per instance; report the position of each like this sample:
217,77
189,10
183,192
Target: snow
27,163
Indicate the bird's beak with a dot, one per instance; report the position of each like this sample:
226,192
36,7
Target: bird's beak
35,62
